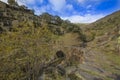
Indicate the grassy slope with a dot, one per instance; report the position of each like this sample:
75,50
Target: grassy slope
103,50
100,53
105,42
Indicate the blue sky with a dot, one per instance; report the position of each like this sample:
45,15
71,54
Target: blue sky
77,11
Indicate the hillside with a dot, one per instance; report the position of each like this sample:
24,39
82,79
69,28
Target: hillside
106,31
29,44
16,16
45,47
108,24
103,49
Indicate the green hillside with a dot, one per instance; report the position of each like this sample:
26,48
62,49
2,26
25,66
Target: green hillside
106,31
109,24
28,44
45,47
105,35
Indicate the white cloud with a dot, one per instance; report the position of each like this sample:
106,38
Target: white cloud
4,1
41,1
25,2
85,1
89,6
57,5
69,6
88,18
81,1
40,10
21,2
